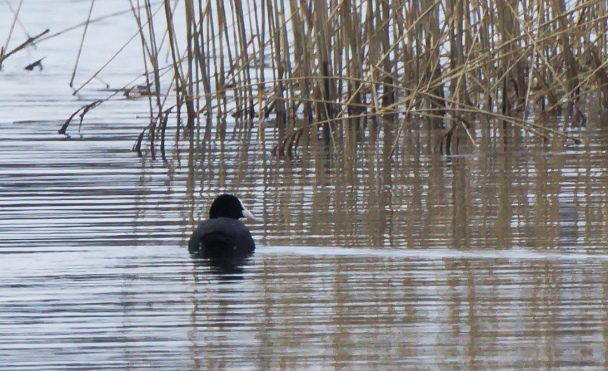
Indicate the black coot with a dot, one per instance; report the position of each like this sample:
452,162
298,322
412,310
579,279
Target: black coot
223,236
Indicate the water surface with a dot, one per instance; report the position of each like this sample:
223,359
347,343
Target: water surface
486,260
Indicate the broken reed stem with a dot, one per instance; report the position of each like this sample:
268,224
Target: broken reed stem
3,49
25,44
84,34
12,27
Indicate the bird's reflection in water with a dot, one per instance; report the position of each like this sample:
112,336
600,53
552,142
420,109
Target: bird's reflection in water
226,268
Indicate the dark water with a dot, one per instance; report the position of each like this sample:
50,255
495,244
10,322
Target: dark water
489,260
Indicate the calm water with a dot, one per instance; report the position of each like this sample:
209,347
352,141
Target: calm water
484,261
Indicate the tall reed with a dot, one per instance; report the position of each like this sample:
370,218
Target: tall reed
349,68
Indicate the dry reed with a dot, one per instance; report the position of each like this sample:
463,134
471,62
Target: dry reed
348,69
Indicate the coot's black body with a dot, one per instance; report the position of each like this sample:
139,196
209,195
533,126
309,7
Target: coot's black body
223,237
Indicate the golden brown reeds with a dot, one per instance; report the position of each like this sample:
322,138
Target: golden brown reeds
350,68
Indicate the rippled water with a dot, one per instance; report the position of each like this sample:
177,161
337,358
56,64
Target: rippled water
482,261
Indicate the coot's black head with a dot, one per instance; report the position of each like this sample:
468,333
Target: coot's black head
228,206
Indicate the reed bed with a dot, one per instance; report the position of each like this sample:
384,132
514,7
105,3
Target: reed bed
342,70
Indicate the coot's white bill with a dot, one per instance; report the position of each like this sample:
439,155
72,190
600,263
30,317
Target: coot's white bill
248,214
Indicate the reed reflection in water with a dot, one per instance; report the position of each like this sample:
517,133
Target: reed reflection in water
479,261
